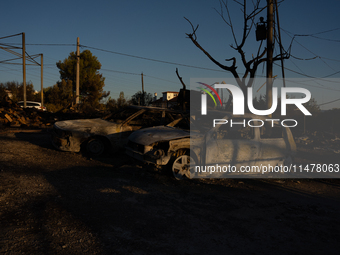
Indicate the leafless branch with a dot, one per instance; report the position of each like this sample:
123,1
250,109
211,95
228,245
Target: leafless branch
193,38
229,21
180,79
193,34
238,2
248,25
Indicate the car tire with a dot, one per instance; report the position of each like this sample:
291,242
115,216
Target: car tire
288,161
180,164
95,147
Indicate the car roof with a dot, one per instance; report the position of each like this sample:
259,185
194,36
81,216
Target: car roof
137,107
29,102
230,115
153,108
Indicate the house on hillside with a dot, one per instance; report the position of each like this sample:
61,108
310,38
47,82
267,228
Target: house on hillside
168,100
9,93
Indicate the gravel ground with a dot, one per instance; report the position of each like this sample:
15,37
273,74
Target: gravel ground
54,202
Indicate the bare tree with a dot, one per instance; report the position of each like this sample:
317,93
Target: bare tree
248,25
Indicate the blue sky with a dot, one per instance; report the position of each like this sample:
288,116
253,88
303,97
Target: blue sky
156,30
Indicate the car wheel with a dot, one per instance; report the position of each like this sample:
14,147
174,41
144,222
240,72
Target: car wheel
95,147
285,163
288,161
180,166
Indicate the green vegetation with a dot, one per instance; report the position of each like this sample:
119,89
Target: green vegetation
17,91
91,82
137,98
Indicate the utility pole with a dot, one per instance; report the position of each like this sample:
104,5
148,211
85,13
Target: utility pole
77,74
24,66
143,103
279,32
270,18
42,79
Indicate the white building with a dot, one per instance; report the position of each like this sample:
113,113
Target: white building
168,95
168,100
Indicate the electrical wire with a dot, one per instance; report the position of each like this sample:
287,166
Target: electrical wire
325,39
309,76
322,32
47,44
10,36
122,72
150,59
330,102
123,54
191,66
295,35
108,70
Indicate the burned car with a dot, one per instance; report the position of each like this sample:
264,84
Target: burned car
247,140
97,135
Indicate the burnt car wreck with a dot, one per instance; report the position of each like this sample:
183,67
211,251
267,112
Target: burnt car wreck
237,145
97,135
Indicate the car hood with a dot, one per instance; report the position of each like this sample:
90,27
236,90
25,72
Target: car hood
156,134
87,125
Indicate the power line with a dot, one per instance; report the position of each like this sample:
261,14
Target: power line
309,76
316,56
321,86
10,36
123,54
191,66
122,72
325,39
160,79
331,74
150,59
322,32
9,46
331,59
185,65
327,31
304,58
330,102
44,44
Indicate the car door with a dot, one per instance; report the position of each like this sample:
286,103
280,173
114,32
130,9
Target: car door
275,144
235,145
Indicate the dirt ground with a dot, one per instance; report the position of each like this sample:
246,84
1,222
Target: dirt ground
54,202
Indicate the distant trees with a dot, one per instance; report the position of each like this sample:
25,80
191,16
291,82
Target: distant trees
113,104
17,91
137,98
91,82
2,91
121,101
59,95
312,106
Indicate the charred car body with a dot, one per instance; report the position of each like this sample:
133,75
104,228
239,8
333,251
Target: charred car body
96,135
237,145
